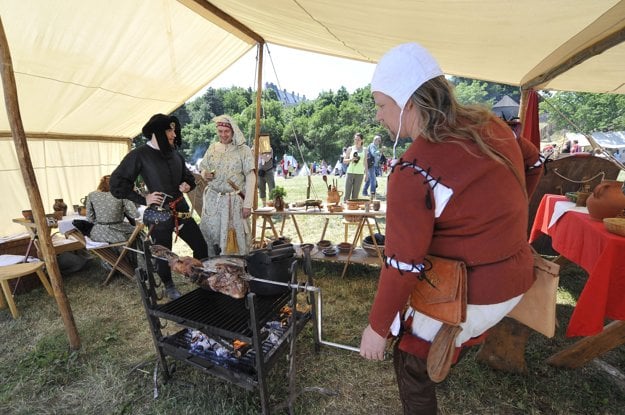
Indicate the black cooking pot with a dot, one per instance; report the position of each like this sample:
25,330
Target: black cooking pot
271,264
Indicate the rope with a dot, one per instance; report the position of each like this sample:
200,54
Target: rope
602,174
297,141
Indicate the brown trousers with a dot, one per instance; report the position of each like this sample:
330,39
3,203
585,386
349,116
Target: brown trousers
416,390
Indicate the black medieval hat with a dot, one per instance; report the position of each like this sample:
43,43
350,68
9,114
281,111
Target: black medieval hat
157,125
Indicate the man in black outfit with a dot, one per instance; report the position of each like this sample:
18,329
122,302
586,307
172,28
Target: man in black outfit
165,174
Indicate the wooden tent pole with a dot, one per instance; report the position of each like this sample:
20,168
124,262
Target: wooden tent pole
523,105
30,180
259,95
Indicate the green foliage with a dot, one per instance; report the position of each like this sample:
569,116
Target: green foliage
319,129
277,192
587,112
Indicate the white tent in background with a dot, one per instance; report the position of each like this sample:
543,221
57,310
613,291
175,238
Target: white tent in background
304,171
612,139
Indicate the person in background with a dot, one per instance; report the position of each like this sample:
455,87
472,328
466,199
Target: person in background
567,147
576,148
266,181
228,166
356,159
459,191
107,213
344,164
373,165
167,178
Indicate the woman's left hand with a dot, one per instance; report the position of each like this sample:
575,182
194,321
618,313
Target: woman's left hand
372,345
246,213
184,187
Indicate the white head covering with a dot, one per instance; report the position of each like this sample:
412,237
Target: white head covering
237,136
402,70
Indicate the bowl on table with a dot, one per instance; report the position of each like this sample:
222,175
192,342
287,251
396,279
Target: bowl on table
344,247
330,251
324,243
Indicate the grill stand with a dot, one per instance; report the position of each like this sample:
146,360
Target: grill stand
244,320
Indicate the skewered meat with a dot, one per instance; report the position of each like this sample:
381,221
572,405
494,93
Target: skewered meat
187,266
159,251
229,280
224,275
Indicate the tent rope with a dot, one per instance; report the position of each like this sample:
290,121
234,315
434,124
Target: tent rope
297,141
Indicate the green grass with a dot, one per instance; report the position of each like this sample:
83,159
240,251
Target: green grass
112,373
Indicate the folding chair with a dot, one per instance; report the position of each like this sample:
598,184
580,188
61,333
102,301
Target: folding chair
110,253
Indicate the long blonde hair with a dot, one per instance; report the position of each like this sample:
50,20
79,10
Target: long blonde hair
444,118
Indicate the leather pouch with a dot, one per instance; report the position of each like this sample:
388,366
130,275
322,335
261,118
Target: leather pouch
442,290
537,308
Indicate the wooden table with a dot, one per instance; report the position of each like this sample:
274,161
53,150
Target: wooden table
354,255
587,243
60,243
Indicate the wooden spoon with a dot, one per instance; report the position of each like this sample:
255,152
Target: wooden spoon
325,179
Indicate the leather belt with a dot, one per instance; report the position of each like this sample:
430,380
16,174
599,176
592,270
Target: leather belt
184,215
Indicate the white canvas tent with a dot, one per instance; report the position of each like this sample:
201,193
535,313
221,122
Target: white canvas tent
612,139
89,73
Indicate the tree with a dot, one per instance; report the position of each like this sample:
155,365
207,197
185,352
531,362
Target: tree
587,112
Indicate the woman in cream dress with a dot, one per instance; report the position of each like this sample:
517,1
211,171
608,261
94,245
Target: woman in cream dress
228,166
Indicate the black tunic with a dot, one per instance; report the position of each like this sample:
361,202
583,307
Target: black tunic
161,173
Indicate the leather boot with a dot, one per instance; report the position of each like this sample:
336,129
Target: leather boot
442,352
416,390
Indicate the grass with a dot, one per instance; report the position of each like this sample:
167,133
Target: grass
112,373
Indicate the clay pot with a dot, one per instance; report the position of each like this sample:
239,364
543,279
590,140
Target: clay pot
59,205
606,201
28,215
278,203
334,196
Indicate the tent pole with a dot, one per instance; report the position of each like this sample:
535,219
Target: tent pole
28,174
259,94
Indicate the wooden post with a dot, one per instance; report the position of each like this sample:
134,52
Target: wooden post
30,180
259,94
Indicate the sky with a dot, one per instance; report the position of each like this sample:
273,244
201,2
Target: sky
303,73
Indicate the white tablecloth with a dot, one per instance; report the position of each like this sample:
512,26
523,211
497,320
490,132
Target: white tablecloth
560,208
65,224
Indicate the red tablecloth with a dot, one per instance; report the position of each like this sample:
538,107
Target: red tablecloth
602,254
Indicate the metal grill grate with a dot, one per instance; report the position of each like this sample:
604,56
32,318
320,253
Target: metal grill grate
216,313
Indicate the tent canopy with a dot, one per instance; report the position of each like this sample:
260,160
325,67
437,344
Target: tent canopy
89,70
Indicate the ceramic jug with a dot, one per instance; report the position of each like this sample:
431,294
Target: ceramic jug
59,205
334,196
606,201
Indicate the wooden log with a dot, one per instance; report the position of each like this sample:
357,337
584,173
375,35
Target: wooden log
588,348
32,188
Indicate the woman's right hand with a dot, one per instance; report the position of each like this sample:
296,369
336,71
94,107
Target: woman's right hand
208,175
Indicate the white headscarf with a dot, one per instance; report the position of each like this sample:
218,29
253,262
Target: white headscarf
237,136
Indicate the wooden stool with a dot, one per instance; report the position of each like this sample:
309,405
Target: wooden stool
10,272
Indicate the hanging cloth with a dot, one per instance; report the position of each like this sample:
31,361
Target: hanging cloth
232,247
